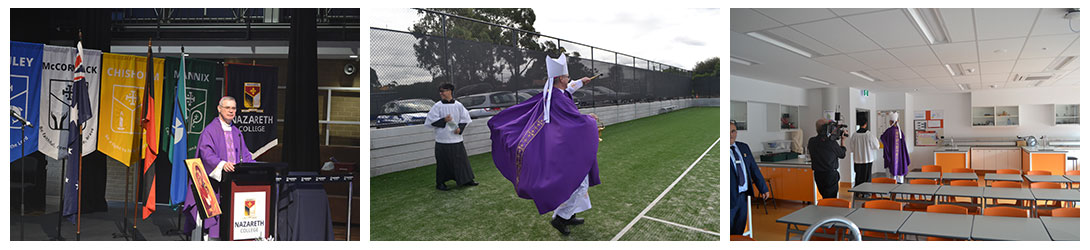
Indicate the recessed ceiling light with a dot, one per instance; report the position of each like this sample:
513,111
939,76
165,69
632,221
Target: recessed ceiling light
816,80
860,74
741,61
780,44
994,86
949,69
930,24
963,86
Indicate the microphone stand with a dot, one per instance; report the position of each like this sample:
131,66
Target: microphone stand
23,123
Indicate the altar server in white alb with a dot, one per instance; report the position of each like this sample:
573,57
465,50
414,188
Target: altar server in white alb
449,119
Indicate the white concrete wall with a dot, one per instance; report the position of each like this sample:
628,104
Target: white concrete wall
401,148
1035,118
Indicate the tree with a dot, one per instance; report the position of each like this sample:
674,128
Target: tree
479,53
709,67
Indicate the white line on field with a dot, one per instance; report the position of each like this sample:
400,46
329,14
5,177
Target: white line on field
642,213
682,226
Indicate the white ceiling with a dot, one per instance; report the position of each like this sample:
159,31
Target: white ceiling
886,44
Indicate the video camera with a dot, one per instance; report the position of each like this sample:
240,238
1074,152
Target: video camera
834,130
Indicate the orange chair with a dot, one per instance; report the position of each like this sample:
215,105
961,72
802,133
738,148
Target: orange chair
1007,184
974,202
932,168
884,180
962,170
946,209
834,202
1054,204
735,237
830,202
882,204
1066,212
1006,211
916,206
1008,171
1072,172
1039,172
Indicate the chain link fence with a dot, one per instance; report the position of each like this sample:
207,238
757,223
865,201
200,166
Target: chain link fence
499,69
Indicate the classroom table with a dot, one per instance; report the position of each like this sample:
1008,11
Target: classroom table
1046,194
923,175
1074,180
1008,228
808,216
878,220
959,176
954,226
958,191
1008,194
1002,177
870,188
1049,178
1061,228
917,189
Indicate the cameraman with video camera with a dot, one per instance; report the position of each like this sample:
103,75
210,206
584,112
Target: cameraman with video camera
825,154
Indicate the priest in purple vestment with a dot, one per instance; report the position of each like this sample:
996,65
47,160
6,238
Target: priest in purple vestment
220,147
894,150
548,150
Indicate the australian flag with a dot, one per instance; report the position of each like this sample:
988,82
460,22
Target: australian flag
79,114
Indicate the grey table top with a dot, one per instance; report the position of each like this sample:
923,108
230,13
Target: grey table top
870,187
1061,228
1008,193
812,214
957,226
1073,178
1002,177
879,220
915,189
1047,178
1008,228
1055,194
922,175
960,191
960,176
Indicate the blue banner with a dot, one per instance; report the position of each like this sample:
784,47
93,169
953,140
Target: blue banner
26,87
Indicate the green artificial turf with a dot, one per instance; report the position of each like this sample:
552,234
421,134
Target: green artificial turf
637,160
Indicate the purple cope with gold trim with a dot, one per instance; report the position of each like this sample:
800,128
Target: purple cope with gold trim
545,162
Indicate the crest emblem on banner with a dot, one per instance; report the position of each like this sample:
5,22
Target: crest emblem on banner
58,116
125,97
19,84
253,95
195,101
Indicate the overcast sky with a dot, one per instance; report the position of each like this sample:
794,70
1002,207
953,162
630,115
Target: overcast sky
677,37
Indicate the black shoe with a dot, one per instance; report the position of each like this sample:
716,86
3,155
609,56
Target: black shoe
442,186
471,183
575,220
561,225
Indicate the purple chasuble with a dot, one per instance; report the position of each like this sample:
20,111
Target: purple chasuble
212,147
546,162
894,151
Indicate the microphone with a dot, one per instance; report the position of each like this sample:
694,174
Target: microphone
20,118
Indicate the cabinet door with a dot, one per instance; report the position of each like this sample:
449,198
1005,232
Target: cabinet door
977,161
1015,159
990,160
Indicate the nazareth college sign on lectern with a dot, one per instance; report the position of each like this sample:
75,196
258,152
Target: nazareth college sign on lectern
247,196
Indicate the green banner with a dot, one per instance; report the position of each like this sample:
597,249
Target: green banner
202,93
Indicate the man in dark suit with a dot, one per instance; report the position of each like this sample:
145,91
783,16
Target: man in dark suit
743,173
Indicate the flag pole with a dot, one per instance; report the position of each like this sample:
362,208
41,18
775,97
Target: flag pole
79,179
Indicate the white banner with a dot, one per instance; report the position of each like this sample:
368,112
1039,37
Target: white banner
249,215
58,69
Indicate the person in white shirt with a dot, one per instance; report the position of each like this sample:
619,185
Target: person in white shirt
864,148
449,119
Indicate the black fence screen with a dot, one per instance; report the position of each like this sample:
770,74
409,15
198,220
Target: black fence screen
491,73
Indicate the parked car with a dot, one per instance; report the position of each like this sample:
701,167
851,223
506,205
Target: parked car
409,111
488,104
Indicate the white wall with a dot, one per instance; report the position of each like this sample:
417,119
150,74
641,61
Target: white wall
760,96
1035,119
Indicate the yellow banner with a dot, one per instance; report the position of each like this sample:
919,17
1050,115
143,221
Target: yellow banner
122,94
